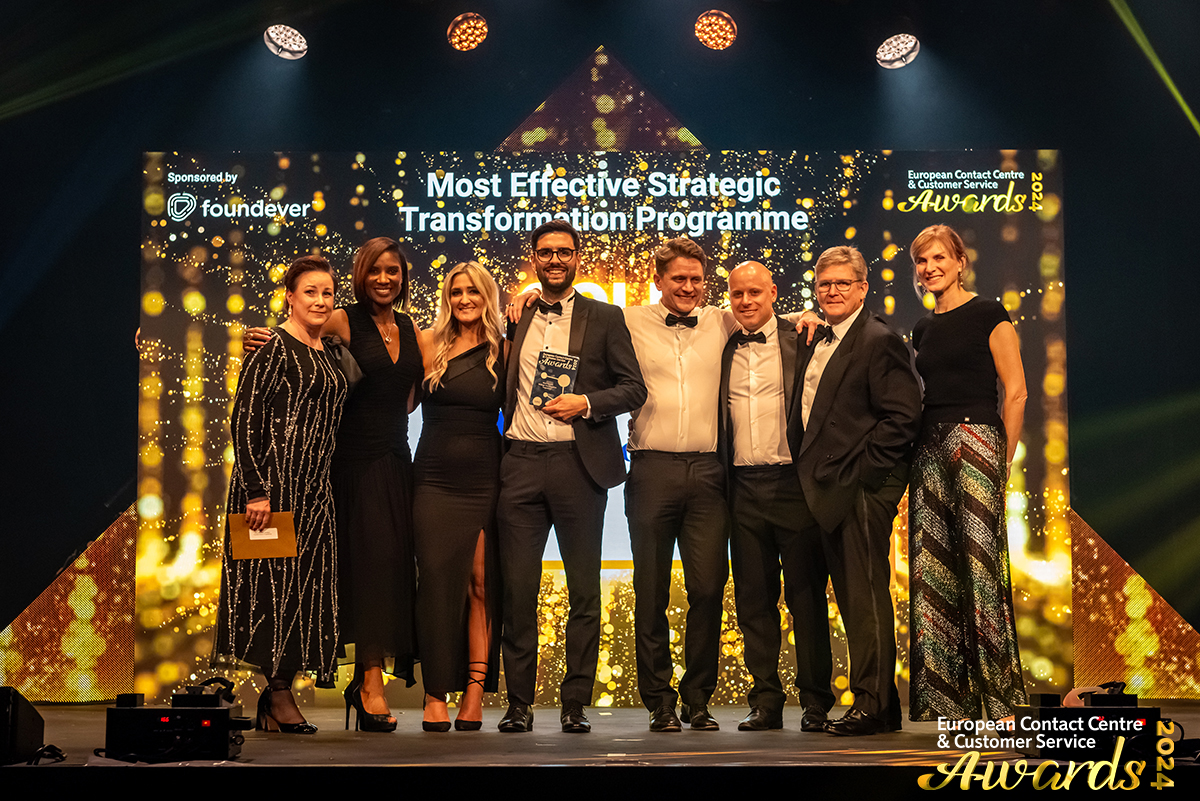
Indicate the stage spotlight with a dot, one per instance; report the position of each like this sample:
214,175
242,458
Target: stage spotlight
897,51
467,31
716,29
285,42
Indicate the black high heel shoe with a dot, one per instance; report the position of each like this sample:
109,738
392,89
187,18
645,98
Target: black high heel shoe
433,725
266,722
472,725
362,719
347,694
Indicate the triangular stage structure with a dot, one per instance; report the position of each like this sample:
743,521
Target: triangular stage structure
601,106
74,643
1123,629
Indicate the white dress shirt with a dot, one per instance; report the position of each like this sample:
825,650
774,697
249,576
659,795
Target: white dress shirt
822,353
682,370
550,332
756,402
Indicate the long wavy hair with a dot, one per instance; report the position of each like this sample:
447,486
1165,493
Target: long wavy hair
446,329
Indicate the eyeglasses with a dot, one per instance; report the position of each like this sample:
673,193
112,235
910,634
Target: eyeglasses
843,285
547,254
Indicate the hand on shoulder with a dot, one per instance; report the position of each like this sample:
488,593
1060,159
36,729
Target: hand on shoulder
516,306
255,338
338,325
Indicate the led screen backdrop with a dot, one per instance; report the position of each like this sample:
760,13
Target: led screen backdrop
220,229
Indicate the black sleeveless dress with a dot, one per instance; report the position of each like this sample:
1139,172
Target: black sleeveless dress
372,489
457,485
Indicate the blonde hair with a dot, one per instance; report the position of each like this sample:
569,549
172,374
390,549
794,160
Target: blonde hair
842,254
446,330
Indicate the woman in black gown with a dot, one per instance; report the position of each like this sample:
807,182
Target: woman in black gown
280,614
372,479
457,483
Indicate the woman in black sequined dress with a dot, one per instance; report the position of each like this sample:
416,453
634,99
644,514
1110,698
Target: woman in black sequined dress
280,614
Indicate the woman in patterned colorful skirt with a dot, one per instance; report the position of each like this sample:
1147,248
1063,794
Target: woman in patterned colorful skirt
963,656
280,614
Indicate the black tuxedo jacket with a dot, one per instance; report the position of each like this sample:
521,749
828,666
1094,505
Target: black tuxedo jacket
864,418
790,350
608,374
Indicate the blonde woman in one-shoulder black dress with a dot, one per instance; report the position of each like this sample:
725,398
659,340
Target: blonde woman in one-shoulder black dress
457,486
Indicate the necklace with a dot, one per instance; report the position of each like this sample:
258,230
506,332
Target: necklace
385,331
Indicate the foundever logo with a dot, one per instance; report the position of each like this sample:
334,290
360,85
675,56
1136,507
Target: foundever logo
180,206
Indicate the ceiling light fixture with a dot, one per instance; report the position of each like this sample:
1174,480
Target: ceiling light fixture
897,51
716,29
467,31
285,42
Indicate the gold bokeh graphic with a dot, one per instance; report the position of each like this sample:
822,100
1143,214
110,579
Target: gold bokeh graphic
75,642
1124,630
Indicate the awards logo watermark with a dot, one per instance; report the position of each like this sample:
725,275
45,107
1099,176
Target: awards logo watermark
970,771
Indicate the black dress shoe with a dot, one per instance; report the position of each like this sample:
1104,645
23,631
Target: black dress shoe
855,724
518,718
663,719
700,718
813,719
760,719
573,719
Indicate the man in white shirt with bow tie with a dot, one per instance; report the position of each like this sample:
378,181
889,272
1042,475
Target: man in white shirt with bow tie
676,487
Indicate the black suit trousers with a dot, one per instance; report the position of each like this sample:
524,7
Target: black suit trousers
544,485
773,529
856,555
669,498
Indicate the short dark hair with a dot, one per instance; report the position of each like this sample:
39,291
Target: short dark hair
302,265
366,257
552,227
673,249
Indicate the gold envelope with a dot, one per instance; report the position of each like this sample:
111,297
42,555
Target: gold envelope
279,539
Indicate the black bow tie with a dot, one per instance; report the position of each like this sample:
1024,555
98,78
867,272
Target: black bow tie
549,308
824,332
689,322
741,338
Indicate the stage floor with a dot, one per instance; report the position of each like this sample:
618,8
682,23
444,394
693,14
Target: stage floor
619,738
